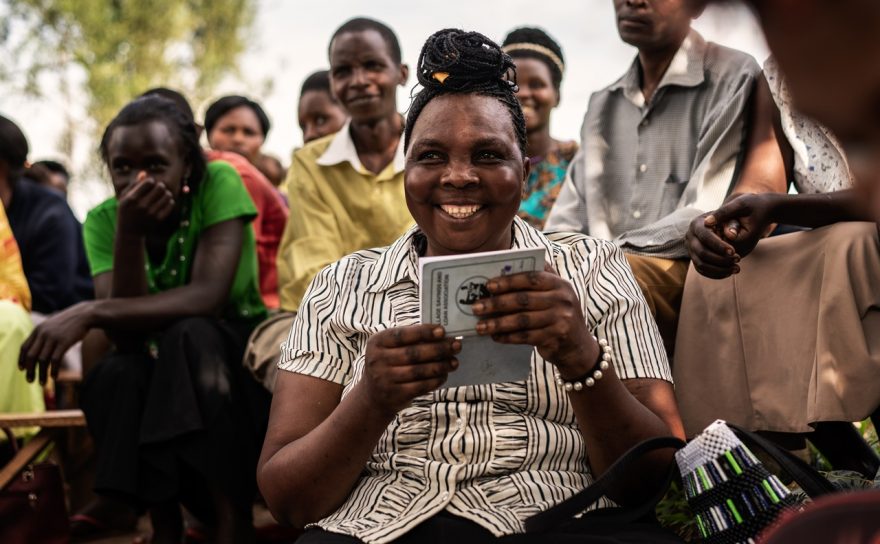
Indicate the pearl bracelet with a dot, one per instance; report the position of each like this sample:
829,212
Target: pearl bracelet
593,376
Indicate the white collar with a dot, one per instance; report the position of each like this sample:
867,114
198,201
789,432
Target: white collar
342,149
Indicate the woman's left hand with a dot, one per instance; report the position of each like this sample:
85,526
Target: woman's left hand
541,309
45,347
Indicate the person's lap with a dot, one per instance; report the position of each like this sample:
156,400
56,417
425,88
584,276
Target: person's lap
446,528
788,341
156,420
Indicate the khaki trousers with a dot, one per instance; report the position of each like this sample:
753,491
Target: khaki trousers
662,283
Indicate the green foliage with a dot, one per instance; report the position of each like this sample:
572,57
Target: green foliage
124,46
674,513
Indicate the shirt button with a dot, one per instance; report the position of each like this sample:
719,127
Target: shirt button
643,168
444,496
637,214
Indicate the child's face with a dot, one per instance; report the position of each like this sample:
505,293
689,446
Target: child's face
146,150
319,115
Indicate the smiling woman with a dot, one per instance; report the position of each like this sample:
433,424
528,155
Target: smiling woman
378,450
539,67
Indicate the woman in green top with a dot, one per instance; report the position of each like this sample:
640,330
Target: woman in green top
175,417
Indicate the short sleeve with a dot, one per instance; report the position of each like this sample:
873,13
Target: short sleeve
224,196
98,233
312,347
618,311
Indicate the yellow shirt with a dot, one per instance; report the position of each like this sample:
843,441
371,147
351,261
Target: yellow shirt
13,285
337,207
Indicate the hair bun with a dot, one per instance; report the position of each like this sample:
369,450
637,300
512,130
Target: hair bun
456,60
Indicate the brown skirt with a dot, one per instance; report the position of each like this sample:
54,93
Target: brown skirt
791,340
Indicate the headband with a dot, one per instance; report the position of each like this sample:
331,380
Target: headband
525,46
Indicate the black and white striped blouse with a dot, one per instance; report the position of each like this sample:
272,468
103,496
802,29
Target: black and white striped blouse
494,454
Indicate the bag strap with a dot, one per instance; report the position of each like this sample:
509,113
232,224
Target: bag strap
567,509
811,482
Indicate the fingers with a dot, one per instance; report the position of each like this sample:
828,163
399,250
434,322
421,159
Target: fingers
137,190
532,337
429,371
524,281
734,209
25,361
415,354
163,206
412,334
34,357
732,230
517,301
711,243
516,322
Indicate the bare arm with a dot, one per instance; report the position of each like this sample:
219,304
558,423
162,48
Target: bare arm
768,153
212,277
542,309
310,462
615,415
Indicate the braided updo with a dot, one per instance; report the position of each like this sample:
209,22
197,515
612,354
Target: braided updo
455,61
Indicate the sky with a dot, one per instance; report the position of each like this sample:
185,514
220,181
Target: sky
289,42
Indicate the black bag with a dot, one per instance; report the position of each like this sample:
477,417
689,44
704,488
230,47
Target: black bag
562,514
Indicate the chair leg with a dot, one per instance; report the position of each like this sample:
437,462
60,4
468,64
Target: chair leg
844,447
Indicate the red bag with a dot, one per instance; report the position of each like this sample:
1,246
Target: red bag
32,507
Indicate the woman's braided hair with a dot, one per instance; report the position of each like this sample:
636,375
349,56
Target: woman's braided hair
152,107
516,44
455,61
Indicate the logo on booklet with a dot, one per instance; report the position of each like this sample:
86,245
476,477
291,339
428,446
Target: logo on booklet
470,291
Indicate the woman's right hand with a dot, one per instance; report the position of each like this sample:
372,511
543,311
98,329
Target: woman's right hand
403,363
143,205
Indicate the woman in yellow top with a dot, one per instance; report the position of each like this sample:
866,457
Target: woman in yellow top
16,395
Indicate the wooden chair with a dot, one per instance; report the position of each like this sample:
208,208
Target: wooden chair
51,424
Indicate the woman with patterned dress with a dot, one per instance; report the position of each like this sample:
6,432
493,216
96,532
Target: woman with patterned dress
539,68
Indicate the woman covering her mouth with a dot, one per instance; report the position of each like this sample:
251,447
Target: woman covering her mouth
377,451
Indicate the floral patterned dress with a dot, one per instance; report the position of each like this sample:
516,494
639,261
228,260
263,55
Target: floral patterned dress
544,183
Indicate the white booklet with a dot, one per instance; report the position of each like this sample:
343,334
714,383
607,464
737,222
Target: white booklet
450,285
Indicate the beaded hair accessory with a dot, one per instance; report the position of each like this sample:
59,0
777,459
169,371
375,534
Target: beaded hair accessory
535,48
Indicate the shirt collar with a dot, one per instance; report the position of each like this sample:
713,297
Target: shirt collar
342,149
687,69
400,262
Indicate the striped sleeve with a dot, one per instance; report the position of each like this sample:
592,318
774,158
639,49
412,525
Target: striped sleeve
619,313
312,347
